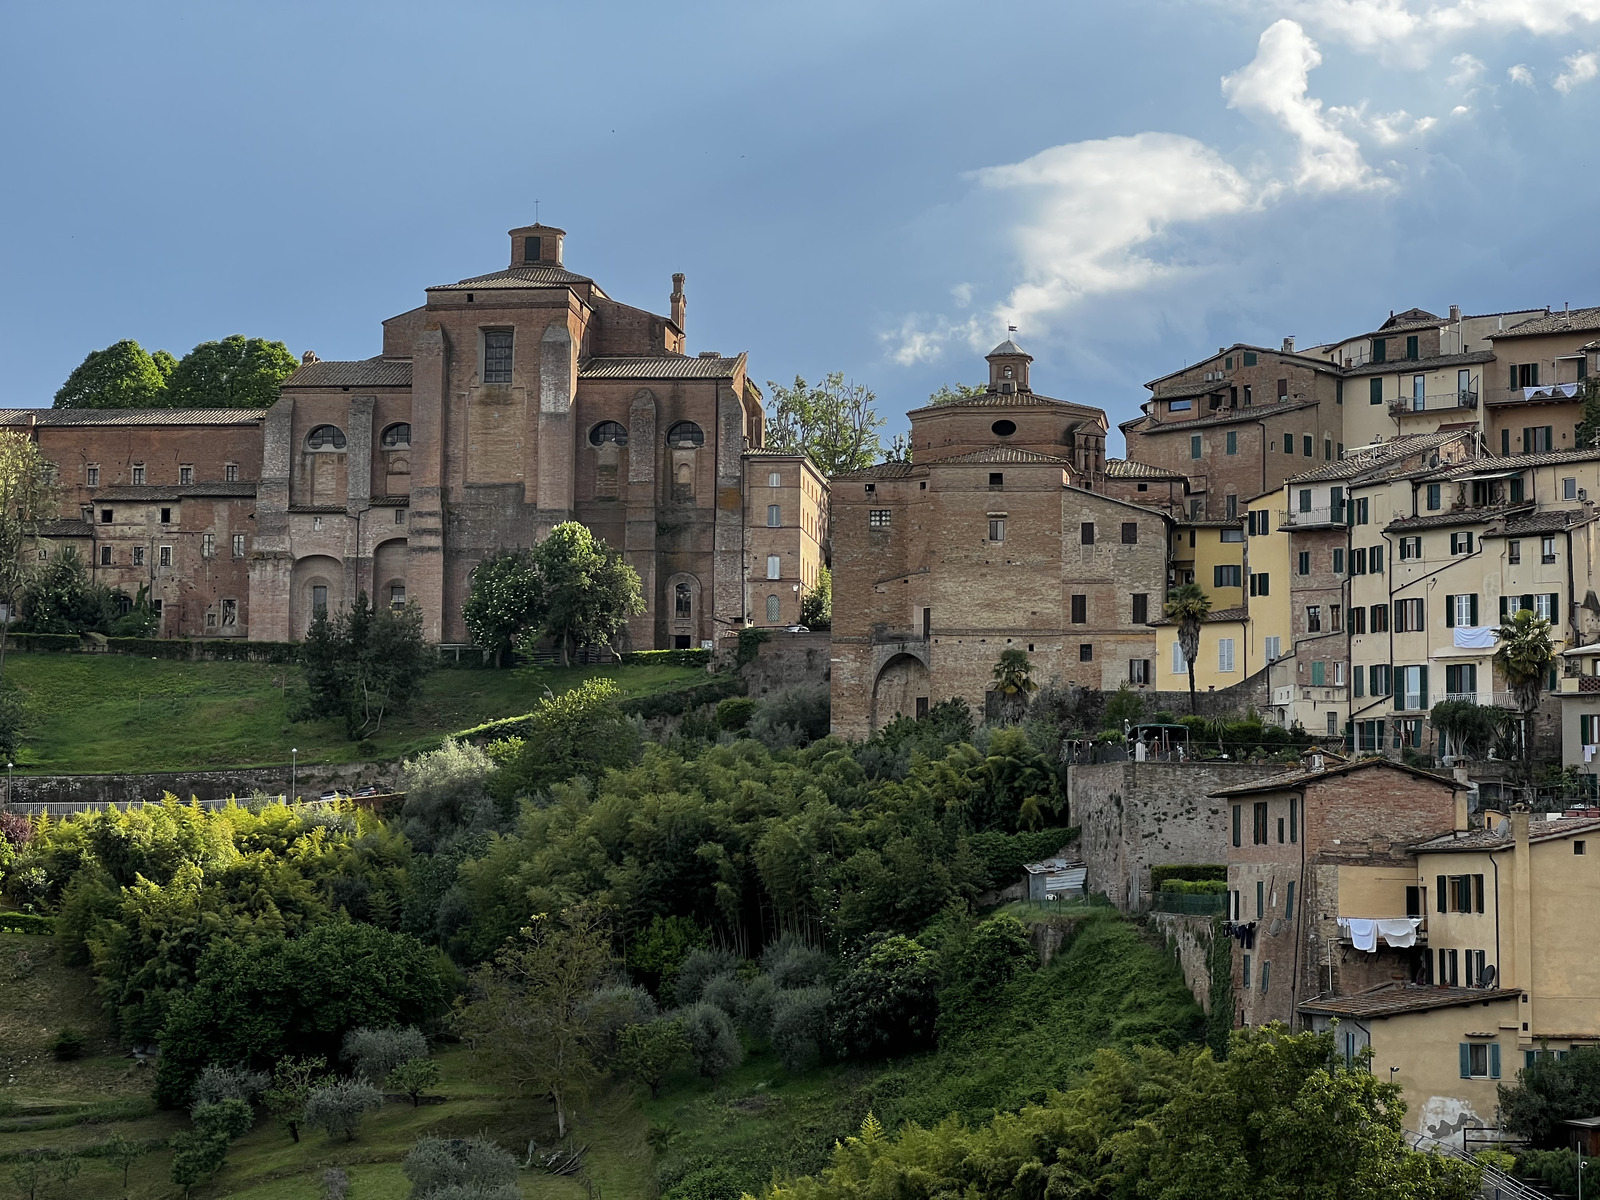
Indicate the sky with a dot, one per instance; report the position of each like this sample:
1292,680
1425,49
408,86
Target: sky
874,187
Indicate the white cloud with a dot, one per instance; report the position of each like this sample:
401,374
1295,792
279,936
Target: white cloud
1468,70
1581,68
1274,85
1402,29
1460,110
962,294
1521,73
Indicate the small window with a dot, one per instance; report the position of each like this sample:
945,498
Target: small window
1085,651
682,602
1569,489
1579,847
231,472
230,613
397,595
1130,533
1224,655
105,516
774,609
774,567
138,556
497,356
530,249
165,558
398,435
997,529
774,479
1080,609
1003,428
1514,551
878,518
1547,549
1141,608
1195,448
325,437
92,475
185,475
997,480
105,556
138,473
238,545
774,516
399,516
319,600
1232,535
1232,442
686,435
1305,443
1179,405
166,516
208,545
1435,501
1086,533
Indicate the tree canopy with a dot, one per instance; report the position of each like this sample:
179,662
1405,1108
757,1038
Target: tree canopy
123,375
833,423
955,393
363,663
236,372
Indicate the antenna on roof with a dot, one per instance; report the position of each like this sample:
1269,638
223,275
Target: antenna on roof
535,212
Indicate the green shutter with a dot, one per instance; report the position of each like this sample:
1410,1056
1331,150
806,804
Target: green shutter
1466,1059
1513,368
1555,608
1494,1060
1397,677
1449,612
1472,605
1443,894
1505,443
1375,389
1319,674
1424,688
1527,601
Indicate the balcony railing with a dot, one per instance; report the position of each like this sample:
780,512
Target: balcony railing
1575,684
1557,392
1327,514
1435,402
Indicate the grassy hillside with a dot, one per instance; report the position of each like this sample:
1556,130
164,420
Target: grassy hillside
104,712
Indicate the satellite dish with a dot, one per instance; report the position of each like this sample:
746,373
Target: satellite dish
1489,975
1503,828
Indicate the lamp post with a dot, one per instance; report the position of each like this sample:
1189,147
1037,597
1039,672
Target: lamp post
8,784
294,773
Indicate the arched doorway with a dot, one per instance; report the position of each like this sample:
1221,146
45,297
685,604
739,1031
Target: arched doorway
901,690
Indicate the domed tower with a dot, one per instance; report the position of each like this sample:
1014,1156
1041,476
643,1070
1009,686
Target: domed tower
1008,368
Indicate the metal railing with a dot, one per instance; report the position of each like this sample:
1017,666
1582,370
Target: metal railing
1497,1185
1435,402
1190,904
1326,514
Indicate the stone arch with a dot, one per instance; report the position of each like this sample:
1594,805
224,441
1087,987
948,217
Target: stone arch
389,559
901,682
312,572
678,625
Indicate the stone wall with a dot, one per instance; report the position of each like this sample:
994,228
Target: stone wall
1137,815
1190,939
785,660
60,793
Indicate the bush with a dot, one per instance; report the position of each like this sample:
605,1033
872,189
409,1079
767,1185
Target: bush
682,700
195,1157
712,1040
994,954
341,1106
445,791
708,1183
649,1053
68,1045
755,1007
700,967
1159,875
373,1053
1557,1168
32,923
1500,1160
434,1165
413,1077
887,1002
800,1027
1196,887
658,952
796,716
1003,854
217,1084
226,1119
794,964
1549,1091
675,658
734,713
615,1008
726,991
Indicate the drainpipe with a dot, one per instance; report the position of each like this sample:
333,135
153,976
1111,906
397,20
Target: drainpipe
1299,916
1499,967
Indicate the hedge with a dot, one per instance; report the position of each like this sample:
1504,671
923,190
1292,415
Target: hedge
676,703
1003,854
672,658
36,642
19,922
187,649
1195,887
1190,871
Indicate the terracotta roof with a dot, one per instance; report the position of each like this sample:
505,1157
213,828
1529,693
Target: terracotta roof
1128,468
1550,521
1253,413
1006,400
883,470
514,277
1318,364
1490,839
1214,617
1293,779
1578,320
1404,365
660,366
145,492
1397,1001
65,528
131,416
362,372
999,454
1459,516
1208,522
1361,459
1183,391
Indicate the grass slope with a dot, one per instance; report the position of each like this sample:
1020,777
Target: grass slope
105,712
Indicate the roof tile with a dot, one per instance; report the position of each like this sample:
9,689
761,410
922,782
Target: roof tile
1577,320
514,277
362,372
659,366
131,416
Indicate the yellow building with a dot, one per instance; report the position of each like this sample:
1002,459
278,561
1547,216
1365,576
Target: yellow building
786,533
1531,401
1223,659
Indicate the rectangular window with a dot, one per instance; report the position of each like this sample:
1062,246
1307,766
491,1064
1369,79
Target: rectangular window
997,481
1569,489
1180,665
1358,619
1294,821
1141,608
1272,647
166,516
1435,497
1358,680
185,474
92,475
399,516
138,556
1358,561
138,473
1333,618
319,600
1411,346
1410,548
1260,585
1547,605
1086,533
1224,655
1304,563
878,518
774,516
1288,443
1408,616
1238,823
1194,446
1130,533
1313,618
1375,390
1139,672
1380,618
165,558
1080,609
238,545
774,567
1380,349
1261,884
208,545
497,356
1266,977
1547,549
1306,446
1233,536
1461,610
1226,575
105,556
230,612
997,529
1247,972
1249,358
231,472
1233,442
1338,560
1360,510
1461,682
1375,558
1305,500
1514,551
1461,543
1319,674
1085,651
1411,688
1379,673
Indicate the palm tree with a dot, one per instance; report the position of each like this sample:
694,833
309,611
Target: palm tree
1013,679
1188,605
1524,657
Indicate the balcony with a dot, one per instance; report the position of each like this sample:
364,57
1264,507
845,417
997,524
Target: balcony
1574,685
1434,402
1547,393
1326,517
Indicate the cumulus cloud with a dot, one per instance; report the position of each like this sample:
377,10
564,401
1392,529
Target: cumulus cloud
1521,73
1275,86
1468,70
1581,68
1410,28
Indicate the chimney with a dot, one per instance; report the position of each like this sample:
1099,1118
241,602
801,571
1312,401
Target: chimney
1455,312
1288,344
678,301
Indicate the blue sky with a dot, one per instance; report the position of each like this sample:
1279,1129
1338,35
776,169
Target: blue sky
870,187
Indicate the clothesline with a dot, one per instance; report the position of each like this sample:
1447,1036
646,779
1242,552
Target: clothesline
1398,932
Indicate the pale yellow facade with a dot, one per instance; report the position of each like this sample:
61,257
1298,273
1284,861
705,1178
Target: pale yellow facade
786,533
1221,662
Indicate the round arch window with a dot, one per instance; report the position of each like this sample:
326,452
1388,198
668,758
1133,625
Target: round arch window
686,435
1004,428
608,431
397,435
325,437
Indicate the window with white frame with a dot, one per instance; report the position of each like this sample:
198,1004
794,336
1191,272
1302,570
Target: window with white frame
878,518
138,473
1272,647
774,567
1180,665
238,545
1224,655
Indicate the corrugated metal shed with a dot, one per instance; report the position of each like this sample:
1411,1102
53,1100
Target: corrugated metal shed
1055,879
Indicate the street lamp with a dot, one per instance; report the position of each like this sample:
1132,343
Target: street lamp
294,773
8,784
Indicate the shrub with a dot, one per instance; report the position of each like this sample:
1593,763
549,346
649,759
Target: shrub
1003,854
712,1040
675,658
800,1026
994,954
374,1053
1500,1160
341,1106
726,991
1196,887
615,1008
1159,875
708,1183
195,1157
434,1165
218,1083
794,964
658,951
755,1007
226,1119
30,923
413,1077
796,716
68,1045
335,1184
700,966
1557,1168
735,712
649,1053
887,1002
445,791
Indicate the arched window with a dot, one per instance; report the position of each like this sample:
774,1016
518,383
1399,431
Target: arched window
774,608
397,435
683,602
608,431
683,483
686,435
325,437
1008,372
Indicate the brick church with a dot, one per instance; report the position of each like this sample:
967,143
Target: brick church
506,403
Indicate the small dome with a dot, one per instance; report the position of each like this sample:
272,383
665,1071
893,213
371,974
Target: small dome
1006,347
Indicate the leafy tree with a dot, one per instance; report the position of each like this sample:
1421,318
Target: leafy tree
1588,433
293,1080
1524,657
363,663
588,591
28,498
580,732
650,1052
237,372
60,598
66,1169
657,953
505,603
30,1174
888,1000
955,393
833,423
795,716
341,1105
445,791
122,375
123,1152
413,1077
530,1023
1549,1091
1013,679
713,1042
165,365
196,1156
1124,704
1188,605
374,1053
218,1083
799,1027
227,1119
816,606
475,1166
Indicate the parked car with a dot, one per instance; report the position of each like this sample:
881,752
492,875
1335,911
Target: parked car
369,790
331,794
797,629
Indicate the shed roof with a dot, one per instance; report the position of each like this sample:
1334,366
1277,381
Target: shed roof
1395,1002
514,277
1298,778
660,366
131,416
1577,320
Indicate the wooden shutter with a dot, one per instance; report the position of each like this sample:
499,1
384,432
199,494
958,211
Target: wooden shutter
1494,1056
1397,677
1465,1047
1449,612
1423,687
1527,601
1555,608
1472,605
1513,368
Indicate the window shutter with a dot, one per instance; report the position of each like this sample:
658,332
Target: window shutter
1503,600
1398,678
1555,608
1477,893
1449,612
1472,605
1494,1060
1466,1059
1527,601
1513,367
1423,687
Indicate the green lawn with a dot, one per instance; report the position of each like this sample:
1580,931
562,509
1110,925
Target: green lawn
104,712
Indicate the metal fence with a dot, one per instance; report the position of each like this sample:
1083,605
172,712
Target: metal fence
1190,903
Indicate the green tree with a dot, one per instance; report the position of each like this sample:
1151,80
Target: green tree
413,1077
816,607
1188,605
61,598
341,1105
583,731
887,1003
649,1052
1524,657
122,375
123,1152
293,1079
1551,1090
506,602
833,423
589,592
1013,680
28,499
531,1023
196,1156
363,663
1588,433
237,372
956,393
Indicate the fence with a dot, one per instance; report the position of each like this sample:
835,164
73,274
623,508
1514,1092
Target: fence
1190,904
